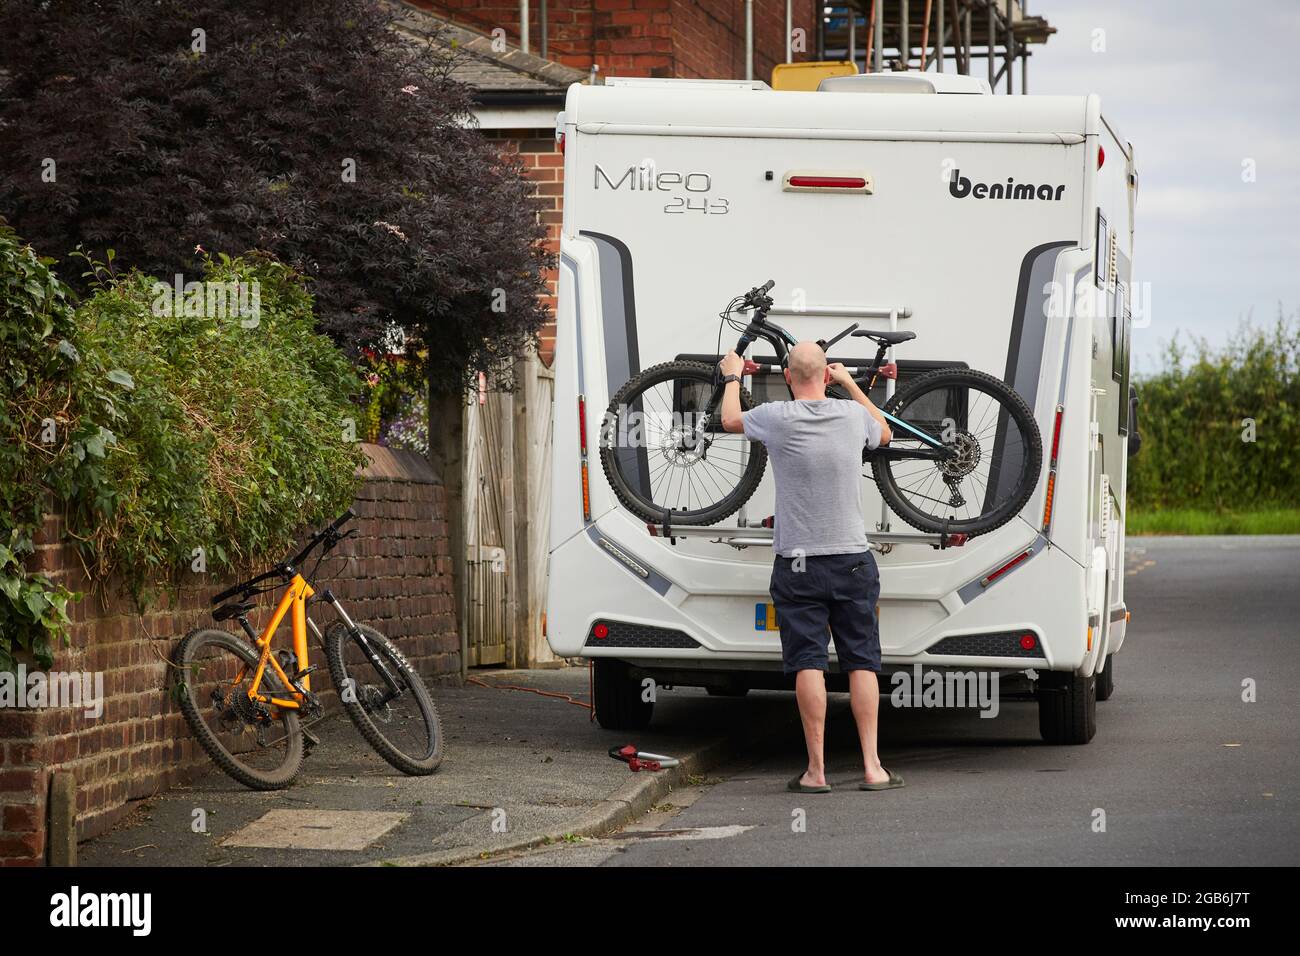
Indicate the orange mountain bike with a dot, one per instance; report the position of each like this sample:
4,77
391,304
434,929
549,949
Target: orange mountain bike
247,705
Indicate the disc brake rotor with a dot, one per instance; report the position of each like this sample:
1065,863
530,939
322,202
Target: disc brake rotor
965,458
683,446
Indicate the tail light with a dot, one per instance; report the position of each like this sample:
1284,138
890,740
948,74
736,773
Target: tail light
1051,473
600,631
828,182
994,575
582,445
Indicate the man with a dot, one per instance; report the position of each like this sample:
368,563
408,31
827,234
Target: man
824,582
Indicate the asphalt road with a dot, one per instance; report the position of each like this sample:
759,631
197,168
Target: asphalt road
1182,770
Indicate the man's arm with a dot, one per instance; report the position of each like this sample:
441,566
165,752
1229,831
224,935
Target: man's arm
732,419
843,378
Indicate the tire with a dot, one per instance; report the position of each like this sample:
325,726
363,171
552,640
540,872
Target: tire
1016,412
630,467
1067,708
1106,679
273,771
382,725
617,697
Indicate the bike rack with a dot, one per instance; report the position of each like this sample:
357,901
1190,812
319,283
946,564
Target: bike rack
760,535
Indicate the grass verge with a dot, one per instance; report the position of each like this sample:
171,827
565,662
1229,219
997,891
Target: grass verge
1198,521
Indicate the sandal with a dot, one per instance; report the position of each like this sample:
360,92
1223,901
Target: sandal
893,783
797,786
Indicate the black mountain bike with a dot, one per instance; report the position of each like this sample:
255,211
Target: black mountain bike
964,458
246,704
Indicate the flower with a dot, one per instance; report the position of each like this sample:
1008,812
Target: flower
391,228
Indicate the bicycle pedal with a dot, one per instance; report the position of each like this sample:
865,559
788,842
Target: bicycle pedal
310,740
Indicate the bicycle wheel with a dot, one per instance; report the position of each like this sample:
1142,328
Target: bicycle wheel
662,449
999,453
257,745
401,724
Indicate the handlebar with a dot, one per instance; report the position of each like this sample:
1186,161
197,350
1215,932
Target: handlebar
758,298
329,534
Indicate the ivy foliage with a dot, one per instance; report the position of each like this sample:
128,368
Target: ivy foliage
197,429
58,409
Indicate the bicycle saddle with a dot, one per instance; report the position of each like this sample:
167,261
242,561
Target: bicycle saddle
886,338
227,611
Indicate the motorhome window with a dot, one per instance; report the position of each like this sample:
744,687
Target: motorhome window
1101,246
771,387
1126,337
689,402
1118,307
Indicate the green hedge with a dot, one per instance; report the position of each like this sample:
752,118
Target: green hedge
190,433
1197,415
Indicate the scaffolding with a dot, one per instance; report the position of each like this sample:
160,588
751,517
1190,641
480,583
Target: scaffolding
895,35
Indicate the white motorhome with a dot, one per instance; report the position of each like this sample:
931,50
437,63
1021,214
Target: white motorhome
998,228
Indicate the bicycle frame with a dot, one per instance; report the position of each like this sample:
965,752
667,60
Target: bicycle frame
294,602
782,341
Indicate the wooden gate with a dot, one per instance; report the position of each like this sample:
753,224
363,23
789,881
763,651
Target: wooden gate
489,532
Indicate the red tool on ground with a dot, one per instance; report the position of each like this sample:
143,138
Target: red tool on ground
641,760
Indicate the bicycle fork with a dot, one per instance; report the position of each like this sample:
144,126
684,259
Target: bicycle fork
354,632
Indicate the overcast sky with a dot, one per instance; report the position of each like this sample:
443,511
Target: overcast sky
1198,87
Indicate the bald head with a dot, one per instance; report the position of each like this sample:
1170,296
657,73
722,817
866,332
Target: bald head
807,365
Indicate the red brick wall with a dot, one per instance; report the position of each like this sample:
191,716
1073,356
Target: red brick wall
694,38
544,165
399,581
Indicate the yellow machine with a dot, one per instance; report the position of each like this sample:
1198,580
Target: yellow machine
806,76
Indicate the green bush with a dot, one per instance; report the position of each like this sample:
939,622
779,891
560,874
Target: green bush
57,409
184,423
240,429
1221,428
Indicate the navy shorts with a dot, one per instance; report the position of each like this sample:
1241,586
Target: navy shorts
827,596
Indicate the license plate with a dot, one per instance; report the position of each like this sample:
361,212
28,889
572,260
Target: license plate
765,617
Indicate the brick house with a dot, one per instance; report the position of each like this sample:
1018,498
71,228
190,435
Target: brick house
520,92
500,453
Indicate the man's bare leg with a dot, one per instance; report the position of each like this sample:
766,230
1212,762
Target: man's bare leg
864,698
810,692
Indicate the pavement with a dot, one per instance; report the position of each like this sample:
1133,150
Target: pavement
1183,770
520,769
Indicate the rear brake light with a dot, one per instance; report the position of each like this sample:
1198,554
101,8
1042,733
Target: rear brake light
994,575
828,182
1056,435
582,425
1101,156
1028,642
600,631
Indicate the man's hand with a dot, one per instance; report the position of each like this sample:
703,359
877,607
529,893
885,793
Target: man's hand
839,374
731,364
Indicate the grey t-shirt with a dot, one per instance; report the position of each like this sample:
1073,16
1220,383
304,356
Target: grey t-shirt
816,452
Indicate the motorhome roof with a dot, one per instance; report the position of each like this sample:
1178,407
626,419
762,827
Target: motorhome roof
911,82
692,107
